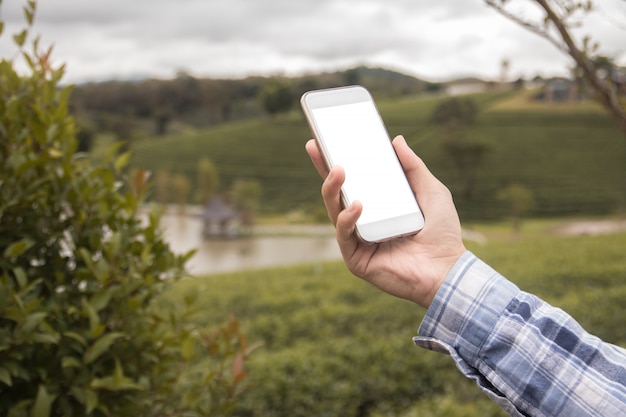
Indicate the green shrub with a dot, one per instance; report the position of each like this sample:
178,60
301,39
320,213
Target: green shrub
81,333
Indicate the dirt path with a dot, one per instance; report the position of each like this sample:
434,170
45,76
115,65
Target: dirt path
591,227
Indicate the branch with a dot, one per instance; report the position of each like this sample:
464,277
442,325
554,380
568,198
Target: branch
533,27
606,94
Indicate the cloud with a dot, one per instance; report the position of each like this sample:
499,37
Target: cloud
119,38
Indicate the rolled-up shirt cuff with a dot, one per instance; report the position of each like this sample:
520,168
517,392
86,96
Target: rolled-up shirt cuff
465,309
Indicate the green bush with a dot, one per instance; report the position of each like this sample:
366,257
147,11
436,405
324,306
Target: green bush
81,333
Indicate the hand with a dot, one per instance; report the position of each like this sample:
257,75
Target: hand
411,267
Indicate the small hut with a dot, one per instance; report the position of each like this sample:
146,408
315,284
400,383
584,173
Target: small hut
219,219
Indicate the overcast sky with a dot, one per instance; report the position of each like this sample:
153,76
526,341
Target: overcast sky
435,40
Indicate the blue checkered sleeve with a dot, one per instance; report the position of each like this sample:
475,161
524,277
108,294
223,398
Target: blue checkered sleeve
531,358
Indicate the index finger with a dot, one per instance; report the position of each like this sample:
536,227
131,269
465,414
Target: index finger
316,158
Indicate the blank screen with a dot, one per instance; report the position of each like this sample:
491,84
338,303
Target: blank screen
355,138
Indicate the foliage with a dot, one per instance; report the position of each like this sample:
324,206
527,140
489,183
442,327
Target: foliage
276,97
334,345
208,180
246,195
449,406
520,200
454,117
181,189
166,105
80,333
459,112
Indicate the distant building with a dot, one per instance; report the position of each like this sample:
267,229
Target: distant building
619,78
469,86
220,219
559,90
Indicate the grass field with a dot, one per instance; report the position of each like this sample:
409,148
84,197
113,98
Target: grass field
572,158
334,345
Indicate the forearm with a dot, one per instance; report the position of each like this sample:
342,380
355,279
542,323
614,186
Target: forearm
529,356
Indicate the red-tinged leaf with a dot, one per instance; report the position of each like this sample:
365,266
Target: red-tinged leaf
238,370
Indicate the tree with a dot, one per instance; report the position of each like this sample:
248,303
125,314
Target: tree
208,180
180,188
455,113
454,117
83,328
560,16
246,195
520,200
162,190
276,97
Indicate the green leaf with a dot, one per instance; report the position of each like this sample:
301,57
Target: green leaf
18,248
4,296
100,346
28,13
88,398
189,348
87,258
94,320
112,151
20,38
122,161
55,153
70,362
31,322
101,299
77,337
5,377
92,400
115,382
1,27
46,338
101,270
20,277
43,403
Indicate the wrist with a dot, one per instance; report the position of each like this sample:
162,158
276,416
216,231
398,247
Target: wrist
444,267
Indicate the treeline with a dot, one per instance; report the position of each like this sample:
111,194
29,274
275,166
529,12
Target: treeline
156,106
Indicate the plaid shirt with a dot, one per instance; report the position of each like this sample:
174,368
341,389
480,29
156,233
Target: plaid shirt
531,358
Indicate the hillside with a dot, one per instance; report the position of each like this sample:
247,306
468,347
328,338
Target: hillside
573,160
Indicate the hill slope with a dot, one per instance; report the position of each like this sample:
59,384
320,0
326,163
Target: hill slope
574,161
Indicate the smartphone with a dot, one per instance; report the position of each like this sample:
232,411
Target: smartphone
350,132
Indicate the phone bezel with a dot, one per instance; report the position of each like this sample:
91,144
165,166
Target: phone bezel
372,232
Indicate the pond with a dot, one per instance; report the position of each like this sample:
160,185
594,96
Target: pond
268,247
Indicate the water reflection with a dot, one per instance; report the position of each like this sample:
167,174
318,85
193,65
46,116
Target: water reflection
271,246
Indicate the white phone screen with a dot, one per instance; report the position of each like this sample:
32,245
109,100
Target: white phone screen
356,139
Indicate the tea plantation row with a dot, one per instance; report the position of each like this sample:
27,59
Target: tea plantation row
573,159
